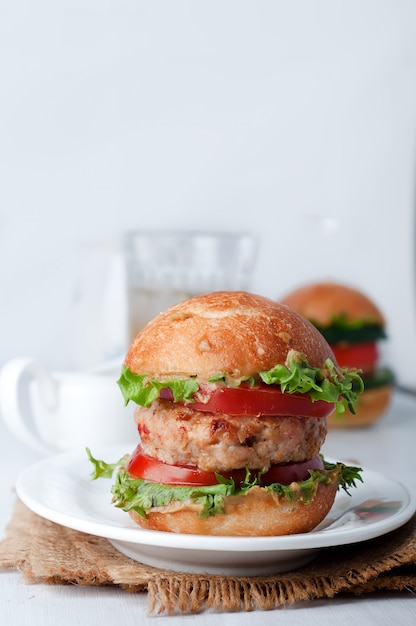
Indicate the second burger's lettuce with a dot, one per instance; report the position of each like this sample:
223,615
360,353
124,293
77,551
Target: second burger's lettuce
295,376
341,329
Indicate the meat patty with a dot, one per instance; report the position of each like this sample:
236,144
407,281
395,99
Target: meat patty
218,442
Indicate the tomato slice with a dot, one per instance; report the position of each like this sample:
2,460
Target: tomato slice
149,468
360,355
262,400
142,466
291,472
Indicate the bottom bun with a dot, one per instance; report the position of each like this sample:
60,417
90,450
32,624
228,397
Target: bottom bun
256,513
371,405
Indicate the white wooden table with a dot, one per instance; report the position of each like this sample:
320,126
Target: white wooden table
389,447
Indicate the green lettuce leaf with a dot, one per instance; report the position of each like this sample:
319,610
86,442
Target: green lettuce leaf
296,376
103,469
141,496
379,378
351,331
142,390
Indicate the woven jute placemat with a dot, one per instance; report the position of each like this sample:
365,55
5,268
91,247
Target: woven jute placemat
48,553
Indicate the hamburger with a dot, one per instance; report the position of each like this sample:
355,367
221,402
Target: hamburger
233,392
353,325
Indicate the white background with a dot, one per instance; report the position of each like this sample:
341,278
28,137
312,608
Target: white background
291,120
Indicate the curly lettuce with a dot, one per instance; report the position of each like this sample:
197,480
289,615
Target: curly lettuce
357,330
141,496
143,390
327,383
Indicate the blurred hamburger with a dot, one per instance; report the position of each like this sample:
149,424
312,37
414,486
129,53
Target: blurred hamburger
233,393
353,325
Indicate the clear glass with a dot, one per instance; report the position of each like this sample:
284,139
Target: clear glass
166,267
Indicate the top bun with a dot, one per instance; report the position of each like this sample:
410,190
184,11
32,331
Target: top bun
230,332
321,302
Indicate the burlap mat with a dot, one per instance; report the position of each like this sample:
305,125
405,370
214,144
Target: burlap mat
48,553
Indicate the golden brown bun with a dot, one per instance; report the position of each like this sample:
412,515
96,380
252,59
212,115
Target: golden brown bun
236,333
320,302
371,405
255,514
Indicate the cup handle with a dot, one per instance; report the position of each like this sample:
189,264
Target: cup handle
14,389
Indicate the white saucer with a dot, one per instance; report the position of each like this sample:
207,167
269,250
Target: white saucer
59,488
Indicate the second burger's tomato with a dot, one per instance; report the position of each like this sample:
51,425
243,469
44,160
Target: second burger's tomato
363,356
263,400
148,468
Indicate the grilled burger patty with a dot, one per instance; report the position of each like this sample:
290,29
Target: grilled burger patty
180,435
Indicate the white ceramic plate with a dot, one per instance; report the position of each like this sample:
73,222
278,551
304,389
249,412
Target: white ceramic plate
60,489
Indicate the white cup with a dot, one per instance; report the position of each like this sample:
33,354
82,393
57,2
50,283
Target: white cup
63,411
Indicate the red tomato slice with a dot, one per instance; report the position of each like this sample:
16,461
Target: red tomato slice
148,468
360,355
263,400
142,466
291,472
